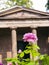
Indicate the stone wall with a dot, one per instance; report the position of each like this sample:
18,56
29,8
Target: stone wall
5,44
43,34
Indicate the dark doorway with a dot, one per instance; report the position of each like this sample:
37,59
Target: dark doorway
20,43
43,34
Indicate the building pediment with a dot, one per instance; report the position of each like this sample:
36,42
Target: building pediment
22,13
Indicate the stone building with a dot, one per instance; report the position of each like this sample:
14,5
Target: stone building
17,21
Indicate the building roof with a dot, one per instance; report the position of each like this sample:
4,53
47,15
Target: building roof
18,9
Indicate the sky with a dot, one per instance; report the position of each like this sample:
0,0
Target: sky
37,4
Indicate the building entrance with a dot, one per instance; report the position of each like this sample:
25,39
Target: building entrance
20,43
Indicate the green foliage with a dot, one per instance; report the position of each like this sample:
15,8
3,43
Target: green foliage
45,60
41,57
10,3
31,63
31,48
12,59
21,55
47,4
35,56
23,3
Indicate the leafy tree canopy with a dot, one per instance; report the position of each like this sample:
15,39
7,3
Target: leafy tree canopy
24,3
9,3
47,4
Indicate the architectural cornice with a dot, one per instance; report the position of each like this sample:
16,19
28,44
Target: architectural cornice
19,8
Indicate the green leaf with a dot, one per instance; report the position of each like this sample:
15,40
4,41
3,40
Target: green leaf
26,51
27,59
28,47
14,59
22,54
31,63
41,57
8,59
35,53
35,46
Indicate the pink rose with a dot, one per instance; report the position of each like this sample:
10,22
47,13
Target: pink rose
30,37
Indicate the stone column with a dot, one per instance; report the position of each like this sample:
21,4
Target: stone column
34,30
1,58
14,42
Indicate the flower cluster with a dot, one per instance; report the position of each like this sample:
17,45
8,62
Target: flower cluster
30,37
1,63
